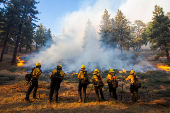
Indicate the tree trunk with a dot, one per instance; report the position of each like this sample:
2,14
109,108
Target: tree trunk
20,46
6,49
2,53
16,45
121,49
26,48
36,47
167,55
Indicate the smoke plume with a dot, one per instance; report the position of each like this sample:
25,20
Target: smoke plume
79,43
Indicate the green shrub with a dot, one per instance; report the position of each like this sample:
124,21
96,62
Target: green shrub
21,68
13,69
44,78
6,78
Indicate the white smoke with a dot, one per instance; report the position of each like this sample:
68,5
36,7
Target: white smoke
142,9
67,49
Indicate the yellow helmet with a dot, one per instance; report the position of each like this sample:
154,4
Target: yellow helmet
96,70
132,71
83,66
59,67
111,71
38,64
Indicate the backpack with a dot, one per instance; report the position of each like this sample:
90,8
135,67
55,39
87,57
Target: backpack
85,79
56,77
115,83
99,82
136,83
29,76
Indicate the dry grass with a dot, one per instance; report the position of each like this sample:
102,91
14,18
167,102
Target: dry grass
12,99
154,95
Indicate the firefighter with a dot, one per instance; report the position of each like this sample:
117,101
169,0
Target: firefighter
57,75
98,84
36,72
111,78
133,89
83,76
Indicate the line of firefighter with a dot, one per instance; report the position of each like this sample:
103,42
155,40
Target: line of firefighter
83,76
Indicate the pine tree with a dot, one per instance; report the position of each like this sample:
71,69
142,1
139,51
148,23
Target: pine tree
42,35
106,30
160,31
136,33
122,31
48,38
23,10
90,37
27,35
8,25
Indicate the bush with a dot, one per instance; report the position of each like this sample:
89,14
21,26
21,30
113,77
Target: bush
13,69
21,68
6,78
44,77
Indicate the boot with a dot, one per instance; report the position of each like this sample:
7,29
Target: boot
98,100
35,97
103,99
56,102
84,101
79,101
27,99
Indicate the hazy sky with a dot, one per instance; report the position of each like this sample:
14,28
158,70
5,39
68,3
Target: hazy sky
53,12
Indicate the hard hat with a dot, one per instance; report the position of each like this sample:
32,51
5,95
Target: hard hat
38,64
59,67
83,66
132,71
111,71
96,70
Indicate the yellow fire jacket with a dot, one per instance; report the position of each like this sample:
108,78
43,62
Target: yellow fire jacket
95,78
111,77
81,75
36,73
61,73
131,78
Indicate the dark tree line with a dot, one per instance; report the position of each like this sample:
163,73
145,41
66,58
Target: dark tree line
17,26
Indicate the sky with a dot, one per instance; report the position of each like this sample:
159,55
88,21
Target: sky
54,12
